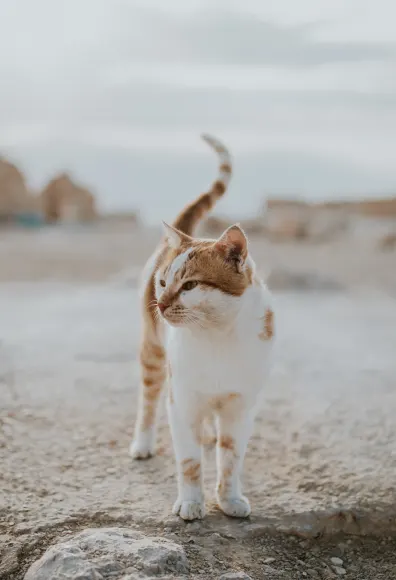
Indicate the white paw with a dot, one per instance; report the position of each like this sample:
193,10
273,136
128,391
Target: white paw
189,510
236,507
142,447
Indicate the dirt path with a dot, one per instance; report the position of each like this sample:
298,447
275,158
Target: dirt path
322,459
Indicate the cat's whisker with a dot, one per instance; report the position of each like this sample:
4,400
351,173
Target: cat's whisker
156,316
194,320
208,317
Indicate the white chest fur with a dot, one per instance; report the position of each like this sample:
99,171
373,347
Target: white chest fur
235,359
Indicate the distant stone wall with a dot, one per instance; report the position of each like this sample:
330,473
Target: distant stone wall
382,207
14,195
62,200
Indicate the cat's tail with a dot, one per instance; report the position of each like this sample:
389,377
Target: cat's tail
189,217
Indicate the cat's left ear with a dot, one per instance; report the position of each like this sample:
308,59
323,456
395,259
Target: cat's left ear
233,245
174,237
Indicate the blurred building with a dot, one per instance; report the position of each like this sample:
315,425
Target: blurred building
65,201
15,198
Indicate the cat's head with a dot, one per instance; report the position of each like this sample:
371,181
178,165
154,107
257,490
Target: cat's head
199,282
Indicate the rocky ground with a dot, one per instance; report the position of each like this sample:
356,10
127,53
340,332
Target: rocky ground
320,468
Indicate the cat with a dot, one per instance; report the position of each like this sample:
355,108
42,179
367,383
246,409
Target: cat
208,326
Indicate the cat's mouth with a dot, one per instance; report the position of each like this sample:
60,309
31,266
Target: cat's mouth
176,323
185,319
174,318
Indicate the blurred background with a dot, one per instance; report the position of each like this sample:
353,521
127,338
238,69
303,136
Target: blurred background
102,103
117,92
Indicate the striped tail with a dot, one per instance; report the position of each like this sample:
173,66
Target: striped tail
189,217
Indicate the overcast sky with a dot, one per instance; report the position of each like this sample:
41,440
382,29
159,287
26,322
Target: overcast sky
118,91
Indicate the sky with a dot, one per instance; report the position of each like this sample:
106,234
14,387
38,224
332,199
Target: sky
118,92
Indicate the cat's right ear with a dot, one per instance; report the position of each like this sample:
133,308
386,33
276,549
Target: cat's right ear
233,243
174,237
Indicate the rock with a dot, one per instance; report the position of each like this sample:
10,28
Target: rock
102,553
336,561
339,570
8,561
342,548
139,577
216,537
22,528
235,576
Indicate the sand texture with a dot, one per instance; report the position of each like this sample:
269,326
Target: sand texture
323,456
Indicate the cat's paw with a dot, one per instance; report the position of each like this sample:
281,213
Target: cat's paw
236,507
142,447
189,510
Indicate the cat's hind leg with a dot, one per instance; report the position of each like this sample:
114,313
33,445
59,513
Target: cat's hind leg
153,376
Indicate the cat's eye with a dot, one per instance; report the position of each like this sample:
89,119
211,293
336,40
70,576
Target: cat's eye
163,283
189,285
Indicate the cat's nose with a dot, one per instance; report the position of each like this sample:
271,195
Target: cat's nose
162,306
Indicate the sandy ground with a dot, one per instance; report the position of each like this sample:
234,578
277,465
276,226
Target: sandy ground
323,456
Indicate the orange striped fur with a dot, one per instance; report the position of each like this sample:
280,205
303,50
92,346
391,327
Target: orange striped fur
267,331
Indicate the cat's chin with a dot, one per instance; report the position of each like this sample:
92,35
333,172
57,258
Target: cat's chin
176,323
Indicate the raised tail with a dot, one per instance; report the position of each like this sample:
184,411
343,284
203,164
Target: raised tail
189,217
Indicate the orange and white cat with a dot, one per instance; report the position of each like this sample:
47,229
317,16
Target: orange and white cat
208,328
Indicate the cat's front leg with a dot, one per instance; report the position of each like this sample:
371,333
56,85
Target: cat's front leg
190,503
233,438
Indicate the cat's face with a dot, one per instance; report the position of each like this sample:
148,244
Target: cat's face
200,281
